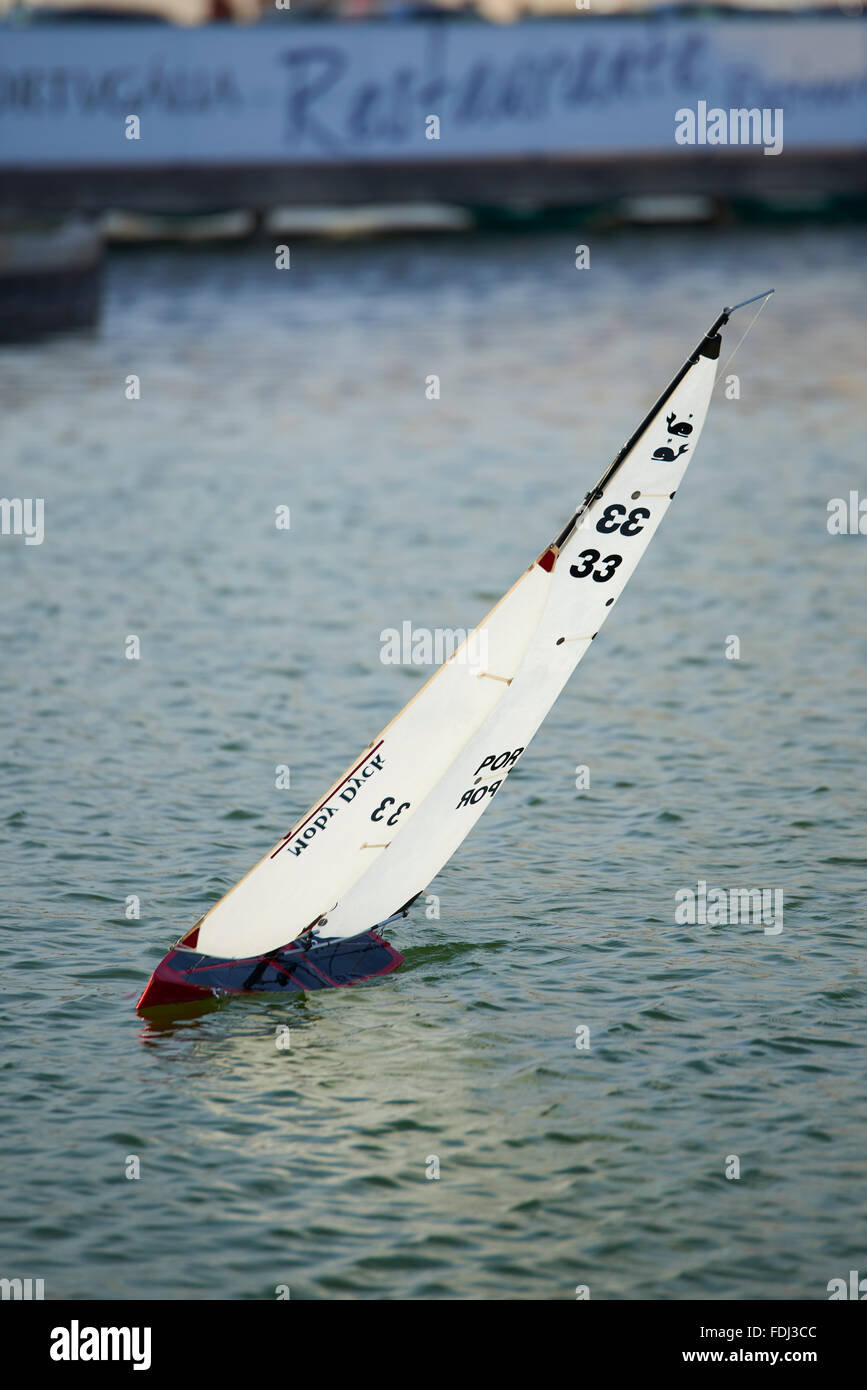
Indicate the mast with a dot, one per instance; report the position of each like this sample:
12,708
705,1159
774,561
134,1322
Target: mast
708,347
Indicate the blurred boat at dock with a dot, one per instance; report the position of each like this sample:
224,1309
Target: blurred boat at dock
50,278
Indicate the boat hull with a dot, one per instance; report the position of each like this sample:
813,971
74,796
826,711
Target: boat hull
187,976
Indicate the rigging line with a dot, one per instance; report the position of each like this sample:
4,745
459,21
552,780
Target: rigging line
596,493
721,373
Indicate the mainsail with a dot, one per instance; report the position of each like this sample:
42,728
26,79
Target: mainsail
389,824
350,827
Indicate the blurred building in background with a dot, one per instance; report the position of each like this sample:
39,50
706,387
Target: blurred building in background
247,114
187,12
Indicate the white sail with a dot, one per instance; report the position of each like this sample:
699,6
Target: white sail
384,829
353,823
592,568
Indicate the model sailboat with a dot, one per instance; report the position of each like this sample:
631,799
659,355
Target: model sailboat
310,914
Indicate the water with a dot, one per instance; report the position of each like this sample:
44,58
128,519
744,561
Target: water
306,1167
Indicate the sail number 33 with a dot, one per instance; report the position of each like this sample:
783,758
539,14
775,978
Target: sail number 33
612,519
382,807
588,559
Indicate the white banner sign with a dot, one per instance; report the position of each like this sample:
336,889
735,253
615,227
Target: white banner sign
296,92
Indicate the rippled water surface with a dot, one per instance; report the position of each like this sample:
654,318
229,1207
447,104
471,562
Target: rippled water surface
307,1167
